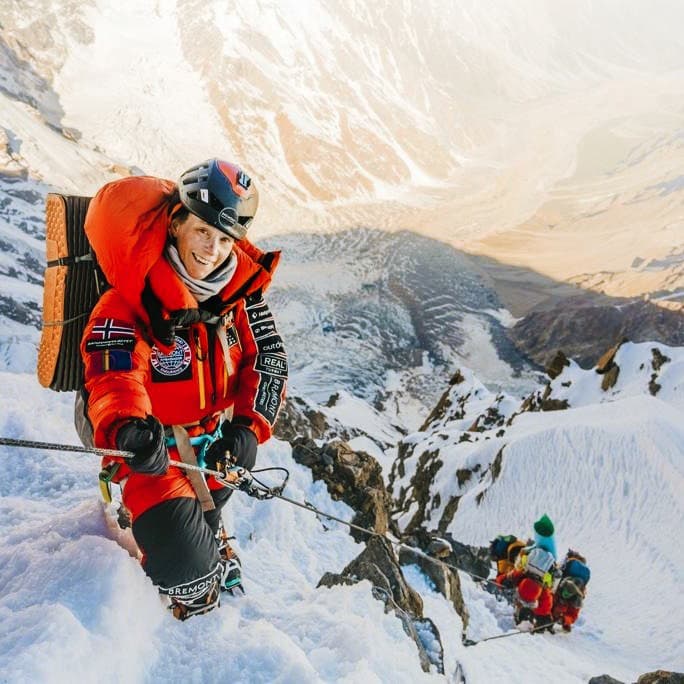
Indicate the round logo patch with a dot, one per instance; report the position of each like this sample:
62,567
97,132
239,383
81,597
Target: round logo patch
175,362
227,217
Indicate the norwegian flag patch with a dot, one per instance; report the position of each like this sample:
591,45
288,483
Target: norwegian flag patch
110,333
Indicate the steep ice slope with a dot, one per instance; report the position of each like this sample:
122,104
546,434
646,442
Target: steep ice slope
609,474
74,604
608,470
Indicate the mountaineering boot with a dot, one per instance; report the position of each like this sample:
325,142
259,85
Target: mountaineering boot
523,617
544,623
232,568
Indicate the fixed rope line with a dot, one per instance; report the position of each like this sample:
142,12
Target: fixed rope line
262,494
470,642
394,543
221,478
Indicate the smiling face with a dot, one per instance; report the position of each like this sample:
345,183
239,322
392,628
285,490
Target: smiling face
201,247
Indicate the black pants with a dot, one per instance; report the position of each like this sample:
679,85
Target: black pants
178,540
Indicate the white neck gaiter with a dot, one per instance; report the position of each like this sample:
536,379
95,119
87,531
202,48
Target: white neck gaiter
203,289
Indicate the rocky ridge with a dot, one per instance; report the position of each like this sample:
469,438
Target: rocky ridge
463,441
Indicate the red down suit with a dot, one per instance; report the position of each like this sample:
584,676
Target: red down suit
134,367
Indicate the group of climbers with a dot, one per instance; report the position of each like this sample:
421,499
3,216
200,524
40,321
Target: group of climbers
545,592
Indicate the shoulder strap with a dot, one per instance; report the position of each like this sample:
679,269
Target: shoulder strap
187,455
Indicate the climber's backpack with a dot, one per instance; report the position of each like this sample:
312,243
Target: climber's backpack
577,570
73,285
504,551
498,547
538,564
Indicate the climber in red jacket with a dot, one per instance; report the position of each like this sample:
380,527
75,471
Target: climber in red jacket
181,350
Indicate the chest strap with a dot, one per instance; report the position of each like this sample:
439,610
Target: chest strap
187,455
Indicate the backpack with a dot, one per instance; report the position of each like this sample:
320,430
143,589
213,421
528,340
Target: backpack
576,570
73,285
538,563
504,550
498,547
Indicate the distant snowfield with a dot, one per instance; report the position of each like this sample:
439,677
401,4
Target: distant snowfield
610,475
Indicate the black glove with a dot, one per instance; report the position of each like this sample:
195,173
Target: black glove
240,443
145,438
508,582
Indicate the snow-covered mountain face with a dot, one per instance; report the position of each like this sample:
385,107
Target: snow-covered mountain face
457,455
522,131
607,469
601,453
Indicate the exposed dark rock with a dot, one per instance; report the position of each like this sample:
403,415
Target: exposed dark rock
557,364
463,475
445,579
22,312
659,359
299,419
653,386
661,677
448,514
582,329
354,477
457,378
426,469
475,426
473,560
607,360
657,362
540,401
439,548
378,564
657,677
610,378
554,405
495,468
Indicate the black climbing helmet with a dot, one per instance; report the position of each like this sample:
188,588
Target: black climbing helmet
221,194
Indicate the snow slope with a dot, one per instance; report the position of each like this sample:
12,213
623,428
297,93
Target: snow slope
609,470
610,474
71,597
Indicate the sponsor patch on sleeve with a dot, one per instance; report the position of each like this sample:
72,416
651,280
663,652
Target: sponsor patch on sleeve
271,364
258,314
110,333
268,397
111,360
272,344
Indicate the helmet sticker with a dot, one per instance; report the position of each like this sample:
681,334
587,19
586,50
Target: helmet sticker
243,179
204,195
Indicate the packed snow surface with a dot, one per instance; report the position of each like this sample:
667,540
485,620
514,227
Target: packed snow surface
610,475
